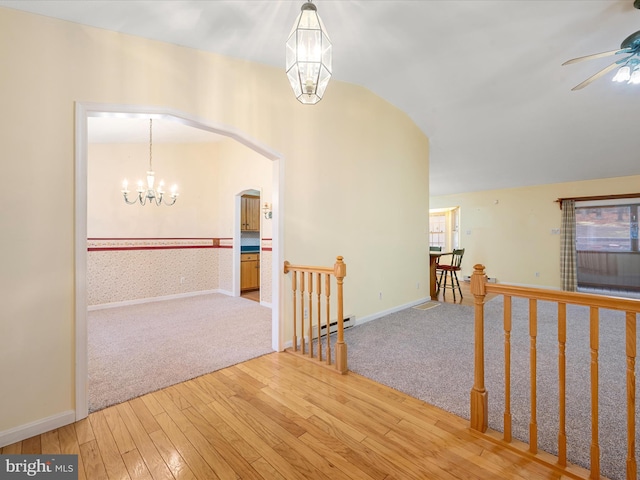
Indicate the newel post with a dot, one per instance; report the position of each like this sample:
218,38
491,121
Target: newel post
479,395
340,271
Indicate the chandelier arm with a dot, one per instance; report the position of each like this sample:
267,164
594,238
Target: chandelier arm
169,204
126,199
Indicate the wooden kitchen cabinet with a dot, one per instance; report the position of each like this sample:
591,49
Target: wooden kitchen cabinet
250,213
249,271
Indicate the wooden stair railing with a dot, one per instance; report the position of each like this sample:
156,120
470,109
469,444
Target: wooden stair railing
479,394
303,283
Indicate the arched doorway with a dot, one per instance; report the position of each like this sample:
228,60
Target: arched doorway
83,112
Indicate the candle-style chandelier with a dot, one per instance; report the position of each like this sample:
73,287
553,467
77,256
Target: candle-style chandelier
150,194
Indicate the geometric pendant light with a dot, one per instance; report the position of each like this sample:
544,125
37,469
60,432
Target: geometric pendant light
308,59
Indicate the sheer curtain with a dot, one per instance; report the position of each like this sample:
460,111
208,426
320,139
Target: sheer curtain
568,246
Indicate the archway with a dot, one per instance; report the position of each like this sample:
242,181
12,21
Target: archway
83,112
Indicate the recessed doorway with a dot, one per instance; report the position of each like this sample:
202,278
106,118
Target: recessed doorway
250,245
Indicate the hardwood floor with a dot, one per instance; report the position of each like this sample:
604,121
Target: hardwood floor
251,295
280,417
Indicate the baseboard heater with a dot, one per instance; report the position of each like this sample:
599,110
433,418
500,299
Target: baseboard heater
333,326
467,278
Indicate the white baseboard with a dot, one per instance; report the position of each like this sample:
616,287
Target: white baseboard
156,299
376,315
266,304
17,434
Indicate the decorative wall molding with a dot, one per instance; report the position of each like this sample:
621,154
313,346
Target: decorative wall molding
107,244
266,244
225,242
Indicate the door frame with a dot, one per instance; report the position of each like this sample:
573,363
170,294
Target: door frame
84,110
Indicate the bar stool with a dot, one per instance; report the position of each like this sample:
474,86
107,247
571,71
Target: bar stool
451,272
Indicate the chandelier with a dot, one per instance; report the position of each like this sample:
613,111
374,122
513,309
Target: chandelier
308,60
150,194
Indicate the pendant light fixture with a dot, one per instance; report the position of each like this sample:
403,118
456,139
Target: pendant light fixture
308,60
150,194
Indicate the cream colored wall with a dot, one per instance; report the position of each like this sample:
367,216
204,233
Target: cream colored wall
360,189
355,181
239,169
191,166
209,177
510,231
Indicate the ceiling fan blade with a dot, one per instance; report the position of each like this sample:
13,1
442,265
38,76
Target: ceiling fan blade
597,75
595,55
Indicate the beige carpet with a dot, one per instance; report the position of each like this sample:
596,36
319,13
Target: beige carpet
138,349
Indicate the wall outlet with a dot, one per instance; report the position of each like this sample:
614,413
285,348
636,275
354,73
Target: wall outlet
537,274
418,286
380,296
306,313
181,280
555,231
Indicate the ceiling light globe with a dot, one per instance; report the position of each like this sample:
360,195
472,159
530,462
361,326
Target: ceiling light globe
622,75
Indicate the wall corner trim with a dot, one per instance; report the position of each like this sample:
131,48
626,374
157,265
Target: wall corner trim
28,430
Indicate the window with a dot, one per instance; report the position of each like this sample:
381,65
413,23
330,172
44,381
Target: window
437,223
610,228
444,228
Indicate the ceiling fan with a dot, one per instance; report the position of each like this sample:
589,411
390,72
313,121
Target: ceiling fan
629,64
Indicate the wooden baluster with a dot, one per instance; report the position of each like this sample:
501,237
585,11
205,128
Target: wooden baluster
310,329
319,292
327,296
562,369
632,467
533,333
340,271
479,395
507,368
294,283
594,341
303,346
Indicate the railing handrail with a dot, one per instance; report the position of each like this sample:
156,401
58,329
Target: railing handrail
339,271
560,296
305,268
479,395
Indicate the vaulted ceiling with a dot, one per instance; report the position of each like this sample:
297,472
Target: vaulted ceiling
482,78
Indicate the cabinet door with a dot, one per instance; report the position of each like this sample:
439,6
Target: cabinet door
247,275
253,213
250,213
243,213
249,271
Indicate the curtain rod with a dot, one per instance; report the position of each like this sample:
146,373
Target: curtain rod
598,197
